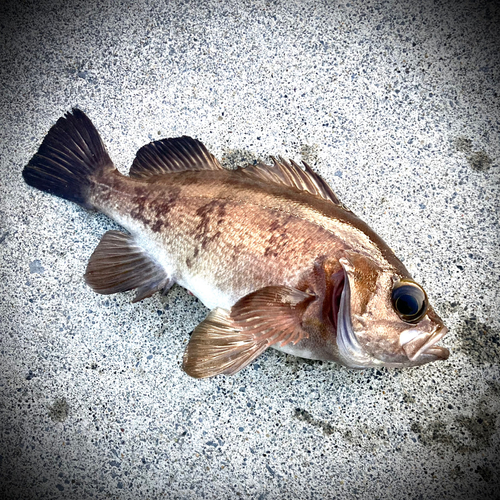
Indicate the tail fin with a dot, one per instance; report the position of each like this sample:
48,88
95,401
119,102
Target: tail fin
69,156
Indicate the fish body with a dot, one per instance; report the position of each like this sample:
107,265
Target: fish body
268,248
222,240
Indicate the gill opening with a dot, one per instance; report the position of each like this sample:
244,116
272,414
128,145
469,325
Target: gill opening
338,280
350,350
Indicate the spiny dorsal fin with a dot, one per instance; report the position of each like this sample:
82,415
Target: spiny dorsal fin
225,342
292,175
119,264
172,155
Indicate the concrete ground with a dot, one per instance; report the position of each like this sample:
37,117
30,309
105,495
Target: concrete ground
396,104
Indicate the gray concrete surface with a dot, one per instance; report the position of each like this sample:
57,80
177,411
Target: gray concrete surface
396,104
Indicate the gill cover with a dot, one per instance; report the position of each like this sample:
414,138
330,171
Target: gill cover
351,352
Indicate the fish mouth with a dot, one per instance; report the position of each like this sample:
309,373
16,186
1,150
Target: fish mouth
422,346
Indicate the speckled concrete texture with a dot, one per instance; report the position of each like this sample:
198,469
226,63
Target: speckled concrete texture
396,105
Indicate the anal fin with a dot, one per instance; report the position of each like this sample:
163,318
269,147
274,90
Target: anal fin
225,342
119,264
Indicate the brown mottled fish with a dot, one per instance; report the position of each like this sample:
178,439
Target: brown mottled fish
269,249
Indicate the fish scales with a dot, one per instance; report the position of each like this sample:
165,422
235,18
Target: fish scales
269,249
203,226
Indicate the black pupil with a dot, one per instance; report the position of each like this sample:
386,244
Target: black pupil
409,301
407,305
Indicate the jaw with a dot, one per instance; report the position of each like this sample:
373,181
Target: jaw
422,348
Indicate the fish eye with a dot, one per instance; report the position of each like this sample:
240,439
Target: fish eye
409,301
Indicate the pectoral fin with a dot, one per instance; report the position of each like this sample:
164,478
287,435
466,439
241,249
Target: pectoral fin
119,264
227,341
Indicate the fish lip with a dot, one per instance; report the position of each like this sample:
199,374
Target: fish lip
423,344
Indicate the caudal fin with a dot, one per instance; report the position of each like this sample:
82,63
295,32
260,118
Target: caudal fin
69,156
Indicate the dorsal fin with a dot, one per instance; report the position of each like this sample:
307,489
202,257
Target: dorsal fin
292,175
172,155
184,153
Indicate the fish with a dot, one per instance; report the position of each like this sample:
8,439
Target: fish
269,249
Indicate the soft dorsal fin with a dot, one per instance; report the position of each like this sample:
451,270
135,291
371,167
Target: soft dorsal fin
172,155
292,175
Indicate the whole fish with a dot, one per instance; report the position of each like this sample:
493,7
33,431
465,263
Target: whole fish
269,249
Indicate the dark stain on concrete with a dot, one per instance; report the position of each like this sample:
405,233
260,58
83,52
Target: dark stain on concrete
309,153
480,428
234,158
59,410
479,161
479,342
408,398
433,433
362,436
305,416
463,145
464,434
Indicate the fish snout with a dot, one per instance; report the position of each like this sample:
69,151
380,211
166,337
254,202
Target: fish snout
417,343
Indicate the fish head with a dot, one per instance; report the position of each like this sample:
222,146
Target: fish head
384,317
